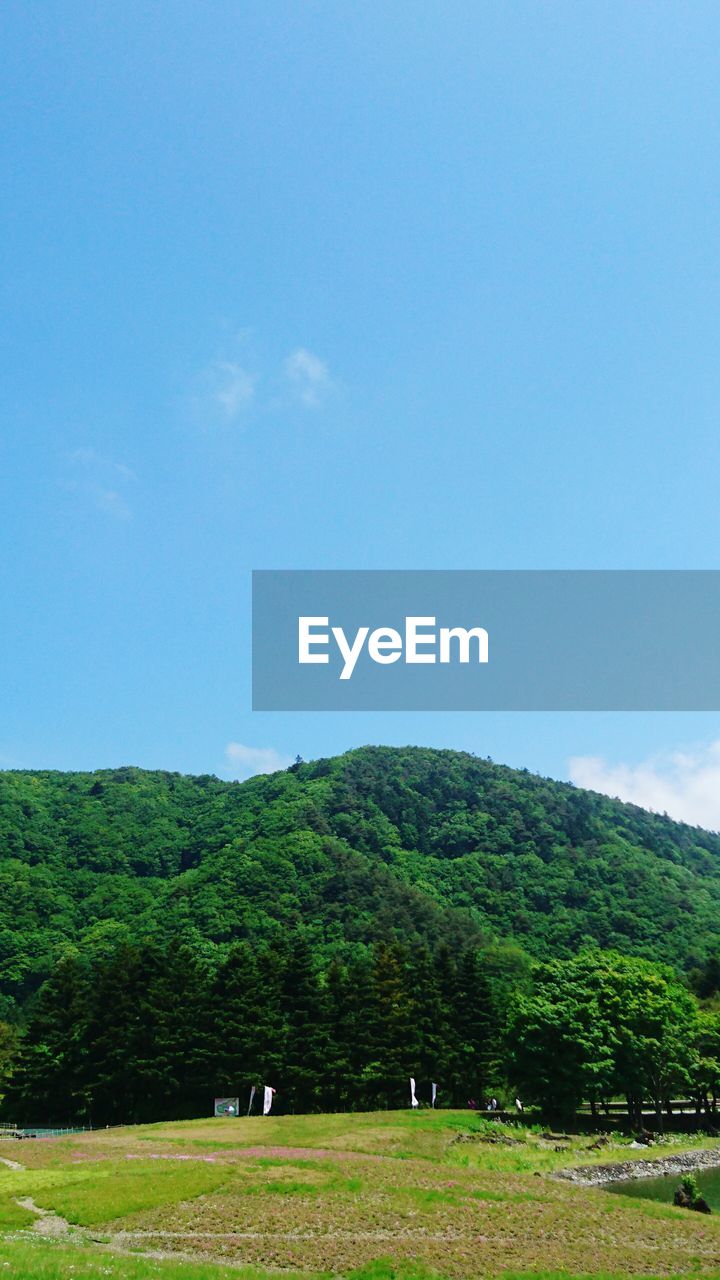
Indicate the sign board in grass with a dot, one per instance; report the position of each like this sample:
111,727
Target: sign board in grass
226,1107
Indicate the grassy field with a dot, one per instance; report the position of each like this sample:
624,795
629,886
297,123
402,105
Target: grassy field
384,1196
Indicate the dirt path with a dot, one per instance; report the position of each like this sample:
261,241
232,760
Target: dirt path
12,1164
445,1235
48,1223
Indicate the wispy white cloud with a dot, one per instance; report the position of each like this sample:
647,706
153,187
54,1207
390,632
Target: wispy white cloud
101,481
683,784
309,377
225,389
245,762
110,501
231,388
231,391
92,459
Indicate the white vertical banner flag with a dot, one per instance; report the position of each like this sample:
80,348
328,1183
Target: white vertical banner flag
413,1099
267,1098
252,1096
434,1092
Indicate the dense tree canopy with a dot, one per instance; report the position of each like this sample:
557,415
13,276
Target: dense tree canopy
145,1033
601,1025
140,1032
407,845
344,924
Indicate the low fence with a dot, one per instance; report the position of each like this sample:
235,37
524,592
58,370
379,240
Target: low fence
620,1108
683,1118
11,1132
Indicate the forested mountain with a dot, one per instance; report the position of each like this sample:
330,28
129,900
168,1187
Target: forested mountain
381,844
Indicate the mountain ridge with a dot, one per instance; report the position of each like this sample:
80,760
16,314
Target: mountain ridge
407,843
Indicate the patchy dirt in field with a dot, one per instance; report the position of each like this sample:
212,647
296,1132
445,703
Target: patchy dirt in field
12,1164
226,1154
302,1153
474,1222
213,1158
253,1153
48,1223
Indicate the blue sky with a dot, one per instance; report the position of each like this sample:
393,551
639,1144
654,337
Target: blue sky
337,285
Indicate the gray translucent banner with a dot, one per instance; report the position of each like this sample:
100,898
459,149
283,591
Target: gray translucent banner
550,640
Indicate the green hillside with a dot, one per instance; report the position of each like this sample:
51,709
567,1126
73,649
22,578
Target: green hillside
440,1195
381,843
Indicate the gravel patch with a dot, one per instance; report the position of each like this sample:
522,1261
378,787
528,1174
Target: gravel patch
48,1223
598,1175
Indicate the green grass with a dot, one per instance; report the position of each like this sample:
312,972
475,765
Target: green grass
385,1196
425,1134
13,1216
86,1198
45,1260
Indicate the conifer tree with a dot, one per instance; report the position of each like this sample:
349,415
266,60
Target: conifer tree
127,1078
49,1080
393,1036
305,1009
478,1069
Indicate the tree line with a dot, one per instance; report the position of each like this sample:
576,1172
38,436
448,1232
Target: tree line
140,1032
146,1033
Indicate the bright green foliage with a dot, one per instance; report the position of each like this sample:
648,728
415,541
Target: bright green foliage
655,1028
561,1047
414,846
599,1025
337,927
706,1078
